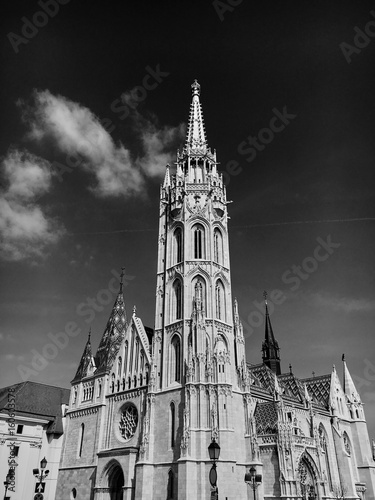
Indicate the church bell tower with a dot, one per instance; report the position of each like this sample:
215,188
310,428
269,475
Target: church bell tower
198,345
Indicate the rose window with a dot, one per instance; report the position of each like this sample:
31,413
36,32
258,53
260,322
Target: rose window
128,422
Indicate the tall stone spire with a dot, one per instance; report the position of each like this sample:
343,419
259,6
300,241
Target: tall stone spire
196,134
113,333
270,346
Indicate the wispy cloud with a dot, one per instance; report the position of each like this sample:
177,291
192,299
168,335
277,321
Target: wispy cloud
78,132
345,304
26,229
158,144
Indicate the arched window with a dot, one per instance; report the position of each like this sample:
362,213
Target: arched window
177,299
126,357
218,247
113,383
170,487
172,423
177,246
119,366
80,440
220,300
99,390
199,242
175,364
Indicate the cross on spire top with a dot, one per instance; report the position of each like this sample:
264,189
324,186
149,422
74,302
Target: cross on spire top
195,88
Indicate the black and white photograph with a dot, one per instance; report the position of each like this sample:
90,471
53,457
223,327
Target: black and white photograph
187,241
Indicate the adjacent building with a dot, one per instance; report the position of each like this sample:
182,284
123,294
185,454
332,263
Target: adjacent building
31,428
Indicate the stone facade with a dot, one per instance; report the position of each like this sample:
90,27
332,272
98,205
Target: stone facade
145,408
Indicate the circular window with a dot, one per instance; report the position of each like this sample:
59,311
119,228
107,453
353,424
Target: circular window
128,422
73,494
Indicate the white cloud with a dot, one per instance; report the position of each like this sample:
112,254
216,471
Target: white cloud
78,132
345,304
25,228
158,147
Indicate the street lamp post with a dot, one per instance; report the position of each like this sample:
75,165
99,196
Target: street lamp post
253,479
6,484
42,474
214,453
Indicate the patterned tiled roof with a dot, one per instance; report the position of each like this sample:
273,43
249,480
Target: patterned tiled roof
292,386
113,335
262,376
319,388
84,364
266,418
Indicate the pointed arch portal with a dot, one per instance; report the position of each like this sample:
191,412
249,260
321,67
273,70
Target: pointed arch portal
115,482
307,479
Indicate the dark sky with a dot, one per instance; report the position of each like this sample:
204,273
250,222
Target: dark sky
85,136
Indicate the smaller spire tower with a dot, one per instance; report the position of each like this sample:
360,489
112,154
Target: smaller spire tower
270,346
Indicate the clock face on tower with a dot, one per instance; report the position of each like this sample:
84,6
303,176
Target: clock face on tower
128,421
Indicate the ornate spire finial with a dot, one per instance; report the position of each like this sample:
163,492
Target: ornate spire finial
89,337
290,368
265,295
121,278
313,374
343,357
195,134
196,88
134,310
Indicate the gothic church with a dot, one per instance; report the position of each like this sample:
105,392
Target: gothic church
144,409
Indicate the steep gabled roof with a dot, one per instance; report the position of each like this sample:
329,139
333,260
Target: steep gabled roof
319,388
292,386
262,376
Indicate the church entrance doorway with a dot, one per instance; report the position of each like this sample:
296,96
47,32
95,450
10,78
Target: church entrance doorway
308,484
116,483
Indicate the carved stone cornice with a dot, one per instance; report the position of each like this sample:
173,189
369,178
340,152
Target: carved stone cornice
83,412
129,395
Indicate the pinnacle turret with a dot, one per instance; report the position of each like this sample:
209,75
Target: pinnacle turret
270,346
87,363
349,388
113,333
